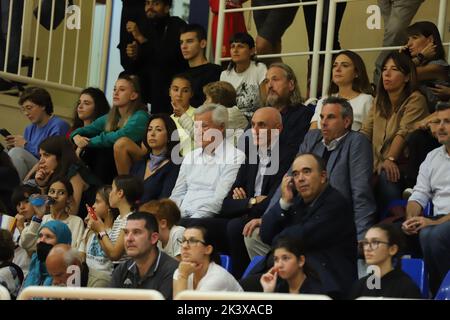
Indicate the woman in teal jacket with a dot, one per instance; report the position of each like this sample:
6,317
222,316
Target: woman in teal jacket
127,118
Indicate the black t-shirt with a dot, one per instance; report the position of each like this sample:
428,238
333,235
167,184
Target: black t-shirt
201,76
309,286
394,284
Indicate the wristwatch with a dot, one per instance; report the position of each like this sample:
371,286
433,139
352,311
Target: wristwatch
101,234
252,202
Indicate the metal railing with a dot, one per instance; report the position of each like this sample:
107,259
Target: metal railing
328,52
37,33
317,32
88,293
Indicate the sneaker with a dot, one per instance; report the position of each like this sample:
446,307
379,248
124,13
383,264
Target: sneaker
407,193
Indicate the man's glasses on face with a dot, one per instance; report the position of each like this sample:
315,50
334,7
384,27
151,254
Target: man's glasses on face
191,242
372,245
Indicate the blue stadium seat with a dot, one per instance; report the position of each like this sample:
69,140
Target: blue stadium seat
415,268
225,261
250,266
444,291
427,211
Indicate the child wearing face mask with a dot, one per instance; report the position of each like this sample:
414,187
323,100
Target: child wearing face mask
61,194
48,235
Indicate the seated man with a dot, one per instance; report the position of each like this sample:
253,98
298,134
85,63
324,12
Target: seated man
64,265
348,158
37,105
149,267
319,216
207,173
433,184
257,180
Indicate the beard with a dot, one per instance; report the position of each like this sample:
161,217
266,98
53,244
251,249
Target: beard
274,100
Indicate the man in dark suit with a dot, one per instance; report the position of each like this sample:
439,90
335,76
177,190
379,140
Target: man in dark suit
319,217
266,163
348,158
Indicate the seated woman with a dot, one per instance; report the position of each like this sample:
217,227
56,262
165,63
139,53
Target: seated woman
382,246
91,105
59,161
157,169
349,80
245,73
9,179
397,107
126,151
60,193
425,47
127,118
49,234
99,264
290,273
199,268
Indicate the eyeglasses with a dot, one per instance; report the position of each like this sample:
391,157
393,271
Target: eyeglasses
373,245
27,108
191,242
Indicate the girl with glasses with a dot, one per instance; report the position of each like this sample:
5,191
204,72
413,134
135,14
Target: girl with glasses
200,268
381,246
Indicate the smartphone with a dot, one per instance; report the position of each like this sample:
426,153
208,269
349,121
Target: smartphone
91,212
4,132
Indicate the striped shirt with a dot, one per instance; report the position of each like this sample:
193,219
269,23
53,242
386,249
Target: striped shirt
119,224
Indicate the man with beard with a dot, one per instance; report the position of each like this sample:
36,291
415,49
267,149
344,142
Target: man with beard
283,93
156,53
50,234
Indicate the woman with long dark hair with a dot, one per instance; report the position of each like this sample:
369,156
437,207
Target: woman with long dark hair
398,106
349,80
157,169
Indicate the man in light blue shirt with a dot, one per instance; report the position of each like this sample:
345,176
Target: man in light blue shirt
208,172
433,183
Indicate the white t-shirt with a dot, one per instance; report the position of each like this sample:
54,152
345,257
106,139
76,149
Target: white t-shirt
215,279
360,104
173,247
96,258
118,225
247,86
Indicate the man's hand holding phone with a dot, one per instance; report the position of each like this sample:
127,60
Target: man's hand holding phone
287,188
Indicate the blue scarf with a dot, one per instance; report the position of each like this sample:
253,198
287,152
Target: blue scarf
155,161
38,274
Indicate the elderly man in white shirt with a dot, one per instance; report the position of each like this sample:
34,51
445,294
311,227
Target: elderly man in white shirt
208,172
433,183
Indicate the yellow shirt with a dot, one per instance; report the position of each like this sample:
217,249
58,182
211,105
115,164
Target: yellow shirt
185,131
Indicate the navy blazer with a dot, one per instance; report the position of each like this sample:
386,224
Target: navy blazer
160,184
326,228
349,170
246,179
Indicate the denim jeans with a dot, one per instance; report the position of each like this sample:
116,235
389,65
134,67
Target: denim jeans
435,243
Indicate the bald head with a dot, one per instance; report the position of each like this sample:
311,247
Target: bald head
61,257
266,124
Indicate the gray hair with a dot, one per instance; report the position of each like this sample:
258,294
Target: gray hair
69,255
346,107
219,113
296,97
